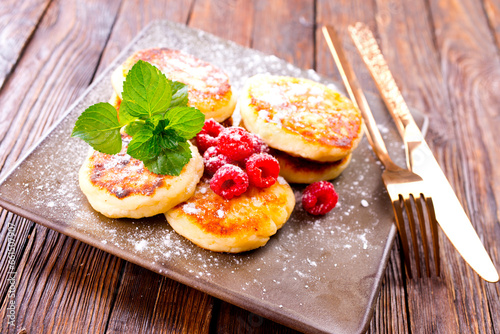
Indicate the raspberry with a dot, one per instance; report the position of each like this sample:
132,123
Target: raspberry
259,146
235,143
262,169
229,181
213,160
207,137
319,198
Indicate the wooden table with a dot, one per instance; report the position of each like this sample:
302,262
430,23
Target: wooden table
445,56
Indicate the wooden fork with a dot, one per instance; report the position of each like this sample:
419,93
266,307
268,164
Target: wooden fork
406,189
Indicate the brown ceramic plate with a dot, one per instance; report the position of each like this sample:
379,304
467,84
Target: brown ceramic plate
315,275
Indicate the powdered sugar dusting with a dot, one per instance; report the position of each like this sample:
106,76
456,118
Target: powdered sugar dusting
333,258
191,209
139,246
220,213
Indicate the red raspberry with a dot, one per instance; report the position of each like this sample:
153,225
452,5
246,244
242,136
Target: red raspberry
319,198
262,169
259,146
229,181
235,143
213,160
207,137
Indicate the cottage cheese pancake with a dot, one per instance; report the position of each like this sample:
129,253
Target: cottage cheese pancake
300,117
120,186
300,170
236,225
209,88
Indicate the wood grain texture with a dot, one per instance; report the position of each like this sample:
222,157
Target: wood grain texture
18,21
412,49
56,293
471,70
339,15
492,9
137,14
149,303
67,44
233,319
390,315
14,234
408,45
232,20
285,29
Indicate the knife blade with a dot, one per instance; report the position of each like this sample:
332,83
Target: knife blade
450,214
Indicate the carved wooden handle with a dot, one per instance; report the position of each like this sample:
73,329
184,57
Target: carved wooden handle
372,56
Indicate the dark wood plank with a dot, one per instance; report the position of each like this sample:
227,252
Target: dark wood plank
56,293
341,14
134,16
149,303
390,314
421,62
233,319
18,21
180,308
14,233
471,70
407,42
232,20
492,9
57,66
286,30
67,44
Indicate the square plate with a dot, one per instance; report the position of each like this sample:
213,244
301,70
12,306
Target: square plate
317,274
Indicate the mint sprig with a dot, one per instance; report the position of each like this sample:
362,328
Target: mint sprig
154,112
99,127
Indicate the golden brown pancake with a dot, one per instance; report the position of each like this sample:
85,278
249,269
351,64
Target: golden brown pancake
242,223
300,170
209,88
120,186
300,117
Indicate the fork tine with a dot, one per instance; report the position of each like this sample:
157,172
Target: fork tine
400,224
434,233
413,233
423,231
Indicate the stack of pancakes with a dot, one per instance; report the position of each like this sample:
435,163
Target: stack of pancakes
312,129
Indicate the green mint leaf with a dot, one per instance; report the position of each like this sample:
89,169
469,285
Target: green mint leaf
154,113
170,162
98,126
179,94
133,127
146,91
168,139
124,116
187,121
155,119
143,145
